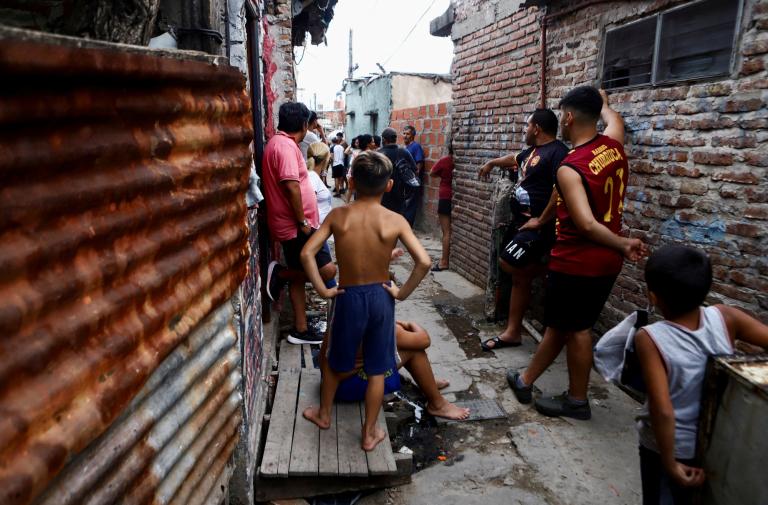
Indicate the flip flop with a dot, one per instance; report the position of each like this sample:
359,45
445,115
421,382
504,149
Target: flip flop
438,268
498,344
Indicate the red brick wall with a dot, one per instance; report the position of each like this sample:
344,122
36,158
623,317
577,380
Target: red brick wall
495,85
433,128
697,150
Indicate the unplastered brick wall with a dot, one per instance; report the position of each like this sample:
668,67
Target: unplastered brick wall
433,128
698,154
277,56
495,85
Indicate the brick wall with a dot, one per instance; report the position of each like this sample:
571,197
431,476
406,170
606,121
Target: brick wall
697,150
495,85
433,128
277,58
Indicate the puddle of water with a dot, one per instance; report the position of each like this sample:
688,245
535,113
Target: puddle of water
458,319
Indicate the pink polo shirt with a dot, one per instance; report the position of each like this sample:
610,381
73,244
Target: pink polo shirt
283,162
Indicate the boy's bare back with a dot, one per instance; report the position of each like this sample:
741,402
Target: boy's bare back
364,234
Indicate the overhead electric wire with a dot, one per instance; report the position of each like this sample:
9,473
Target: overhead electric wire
410,32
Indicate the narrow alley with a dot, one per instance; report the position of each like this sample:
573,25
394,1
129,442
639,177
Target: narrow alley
524,458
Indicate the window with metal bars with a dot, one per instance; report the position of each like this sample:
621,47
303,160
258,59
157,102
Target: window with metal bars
693,41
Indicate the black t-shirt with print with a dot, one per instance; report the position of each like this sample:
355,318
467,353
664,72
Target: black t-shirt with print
536,177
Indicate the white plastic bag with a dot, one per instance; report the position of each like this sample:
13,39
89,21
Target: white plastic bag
611,349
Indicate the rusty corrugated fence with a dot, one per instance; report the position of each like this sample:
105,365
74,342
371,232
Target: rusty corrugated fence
122,238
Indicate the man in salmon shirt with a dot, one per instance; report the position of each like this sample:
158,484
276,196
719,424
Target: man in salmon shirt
588,253
292,215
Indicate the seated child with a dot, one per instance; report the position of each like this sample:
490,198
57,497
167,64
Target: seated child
673,355
365,234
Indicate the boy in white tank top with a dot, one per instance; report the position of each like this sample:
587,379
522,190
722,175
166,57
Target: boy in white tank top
673,355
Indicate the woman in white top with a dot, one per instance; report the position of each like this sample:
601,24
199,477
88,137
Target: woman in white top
318,157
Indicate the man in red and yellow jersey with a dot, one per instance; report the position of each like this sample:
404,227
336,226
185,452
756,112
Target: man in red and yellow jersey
588,251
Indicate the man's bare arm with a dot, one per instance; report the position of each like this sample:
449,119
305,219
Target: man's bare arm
508,161
580,211
421,260
614,123
546,215
292,191
307,256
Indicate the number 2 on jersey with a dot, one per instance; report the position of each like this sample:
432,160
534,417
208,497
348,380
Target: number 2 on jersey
608,189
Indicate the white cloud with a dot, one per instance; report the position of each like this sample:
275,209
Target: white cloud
379,27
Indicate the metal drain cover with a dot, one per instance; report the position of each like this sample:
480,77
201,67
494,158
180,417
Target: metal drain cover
479,410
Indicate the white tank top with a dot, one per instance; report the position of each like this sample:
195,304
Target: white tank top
685,353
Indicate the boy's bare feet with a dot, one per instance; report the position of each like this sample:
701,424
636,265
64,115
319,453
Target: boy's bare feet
371,440
448,411
442,383
313,414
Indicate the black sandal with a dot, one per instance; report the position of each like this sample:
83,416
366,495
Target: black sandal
498,344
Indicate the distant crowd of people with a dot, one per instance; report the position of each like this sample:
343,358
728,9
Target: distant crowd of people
567,205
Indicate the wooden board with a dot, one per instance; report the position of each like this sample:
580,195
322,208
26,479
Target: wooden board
306,434
307,350
380,459
352,460
329,451
290,357
277,449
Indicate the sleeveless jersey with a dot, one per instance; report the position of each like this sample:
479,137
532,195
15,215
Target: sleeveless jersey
602,165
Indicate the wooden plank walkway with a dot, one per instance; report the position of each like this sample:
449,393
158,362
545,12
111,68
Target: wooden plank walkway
296,447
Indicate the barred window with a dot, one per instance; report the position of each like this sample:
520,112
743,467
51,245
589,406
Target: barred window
693,41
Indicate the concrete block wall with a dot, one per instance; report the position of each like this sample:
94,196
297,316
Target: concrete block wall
433,129
697,150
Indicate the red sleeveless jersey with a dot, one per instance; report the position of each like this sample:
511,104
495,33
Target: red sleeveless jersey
604,171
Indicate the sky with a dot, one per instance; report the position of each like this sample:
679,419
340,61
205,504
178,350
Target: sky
379,35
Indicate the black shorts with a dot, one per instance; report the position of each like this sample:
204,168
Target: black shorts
444,207
338,171
574,302
522,248
292,252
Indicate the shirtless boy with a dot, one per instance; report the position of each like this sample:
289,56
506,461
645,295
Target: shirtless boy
365,234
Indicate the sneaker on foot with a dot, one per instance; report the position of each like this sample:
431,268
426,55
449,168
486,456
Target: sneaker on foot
524,394
303,337
274,283
563,406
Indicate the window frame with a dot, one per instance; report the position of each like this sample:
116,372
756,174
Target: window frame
659,15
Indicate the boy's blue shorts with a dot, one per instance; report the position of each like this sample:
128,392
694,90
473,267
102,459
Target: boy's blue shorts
352,389
363,315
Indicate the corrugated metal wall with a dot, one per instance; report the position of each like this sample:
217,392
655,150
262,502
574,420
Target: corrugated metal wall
122,237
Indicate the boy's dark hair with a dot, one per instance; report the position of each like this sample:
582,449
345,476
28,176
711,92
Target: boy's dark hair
411,129
680,277
292,117
377,140
312,117
371,171
546,120
585,101
364,140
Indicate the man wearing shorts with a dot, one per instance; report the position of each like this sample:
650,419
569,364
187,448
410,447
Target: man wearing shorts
292,215
588,252
531,234
338,172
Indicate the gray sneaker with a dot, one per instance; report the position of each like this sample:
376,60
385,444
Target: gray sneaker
523,395
562,406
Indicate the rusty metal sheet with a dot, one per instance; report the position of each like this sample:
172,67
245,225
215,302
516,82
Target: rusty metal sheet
122,228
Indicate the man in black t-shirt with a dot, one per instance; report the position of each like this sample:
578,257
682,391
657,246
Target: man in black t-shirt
405,182
531,233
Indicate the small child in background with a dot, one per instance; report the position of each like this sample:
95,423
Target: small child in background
673,356
365,234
